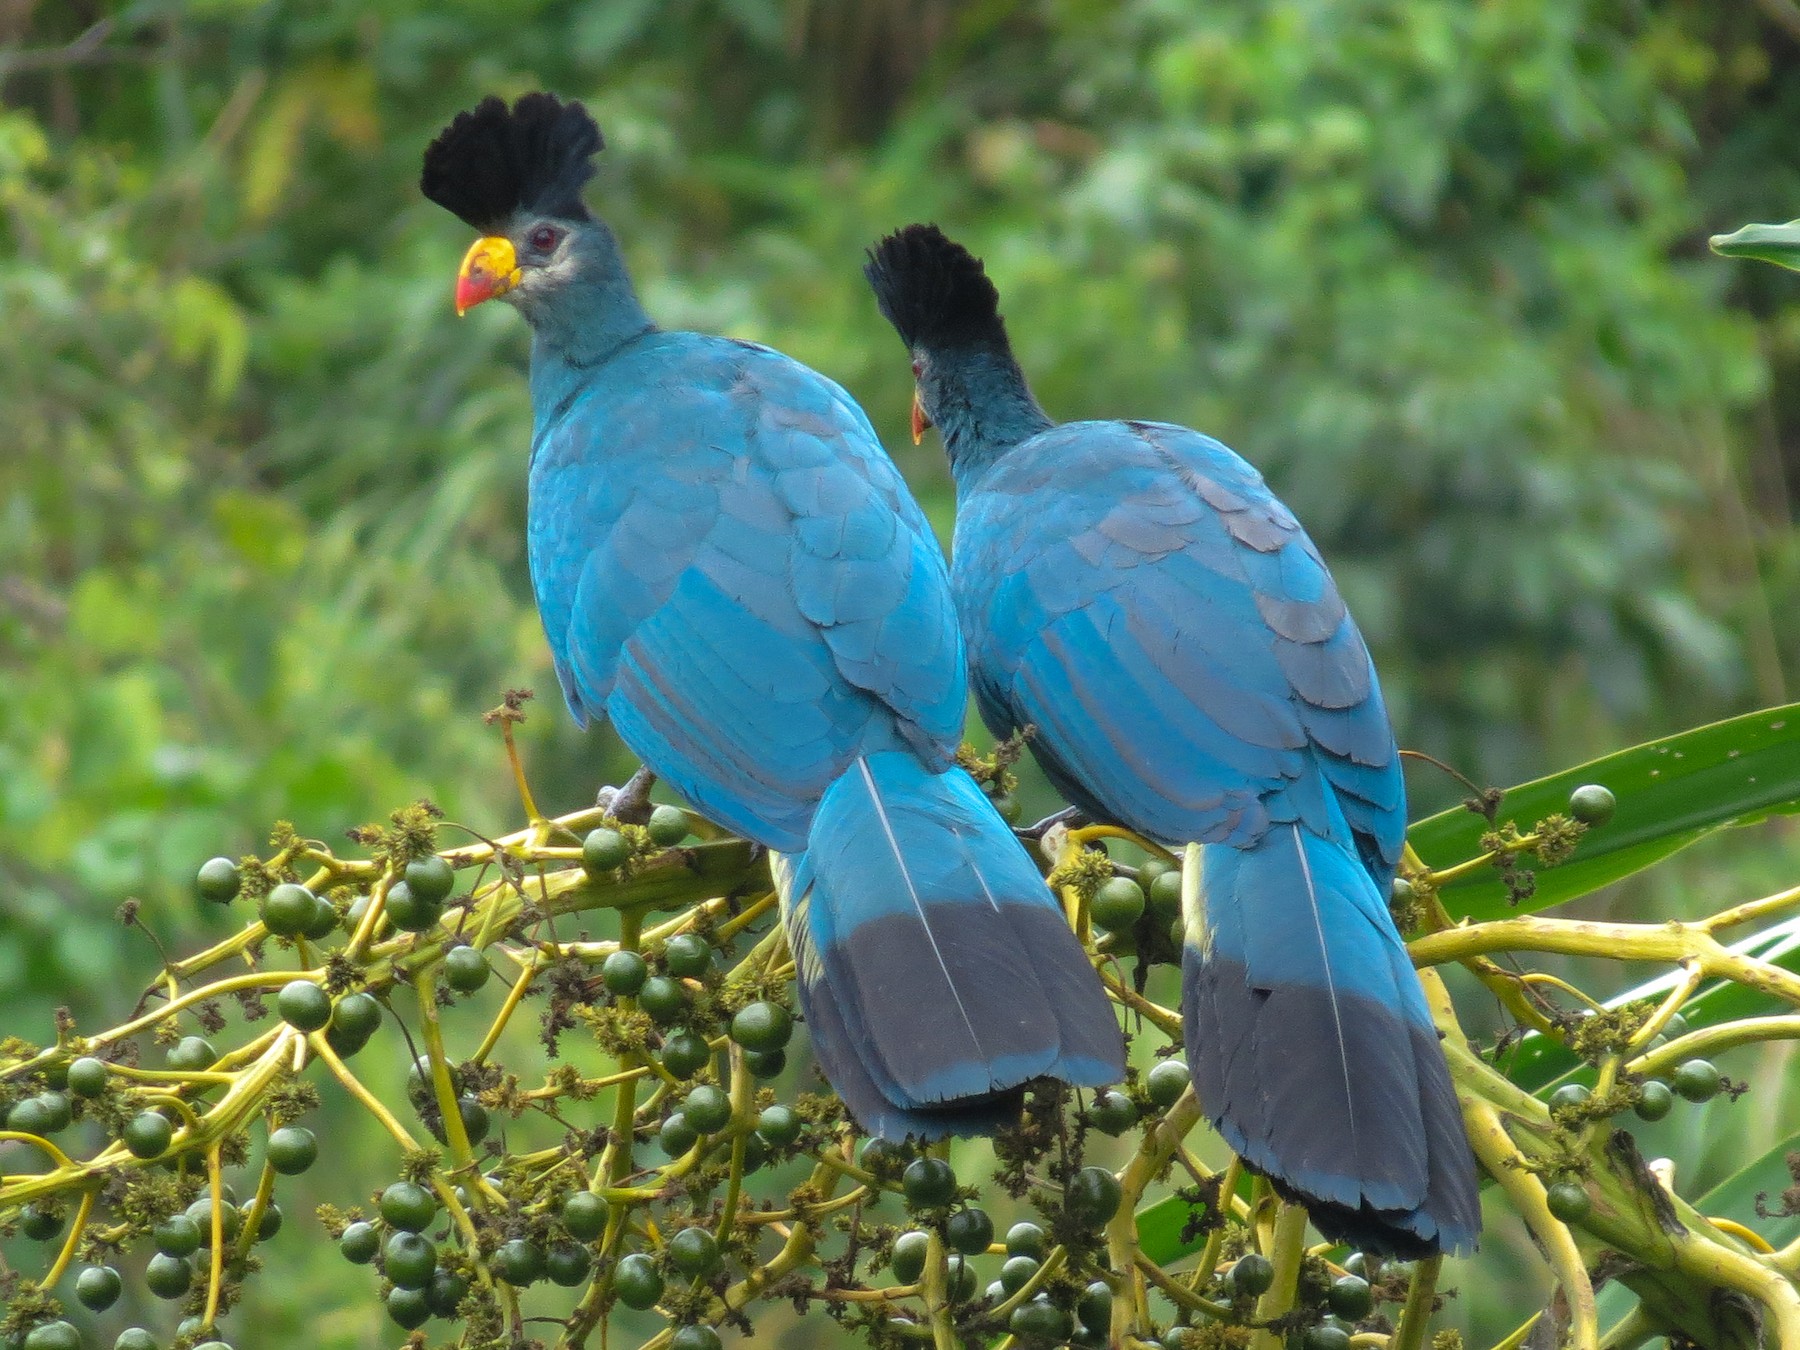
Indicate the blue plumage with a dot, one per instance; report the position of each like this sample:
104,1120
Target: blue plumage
731,571
1135,592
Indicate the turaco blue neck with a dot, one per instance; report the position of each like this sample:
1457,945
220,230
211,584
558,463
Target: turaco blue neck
981,405
581,323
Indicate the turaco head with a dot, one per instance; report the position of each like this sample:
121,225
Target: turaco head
965,380
515,175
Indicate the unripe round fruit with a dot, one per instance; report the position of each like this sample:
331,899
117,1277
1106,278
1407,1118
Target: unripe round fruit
685,1053
359,1243
663,999
695,1337
53,1336
765,1063
676,1137
1592,804
1027,1239
201,1212
960,1279
1676,1027
1569,1095
637,1281
687,955
568,1265
288,910
668,825
707,1109
292,1149
408,1206
519,1262
218,881
1117,905
883,1156
40,1225
1350,1297
603,851
87,1077
1040,1322
1016,1273
969,1231
135,1338
408,1308
445,1292
1093,1196
1697,1080
324,921
410,911
99,1287
1654,1101
168,1276
1325,1336
1569,1201
694,1252
465,969
1112,1112
408,1259
1165,893
1095,1309
147,1135
303,1005
624,972
928,1182
1252,1275
176,1235
431,879
191,1053
357,1016
778,1125
762,1026
909,1256
584,1215
1165,1082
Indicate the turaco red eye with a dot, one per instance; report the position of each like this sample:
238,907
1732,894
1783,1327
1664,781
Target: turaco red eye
544,238
918,367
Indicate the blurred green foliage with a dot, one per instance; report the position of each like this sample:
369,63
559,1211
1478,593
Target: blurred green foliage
1438,268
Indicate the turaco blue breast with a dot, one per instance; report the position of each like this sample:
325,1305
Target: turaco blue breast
1135,592
730,570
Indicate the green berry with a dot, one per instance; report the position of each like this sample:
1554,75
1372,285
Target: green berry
1568,1096
687,955
465,969
584,1215
909,1256
1697,1080
1165,894
695,1337
668,825
969,1231
324,921
676,1137
663,999
57,1109
288,910
1251,1275
408,1206
292,1149
430,879
637,1281
1093,1196
408,1308
218,881
1592,804
147,1135
40,1225
624,972
303,1005
356,1017
201,1212
519,1262
1113,1112
270,1222
87,1077
928,1182
1325,1336
1676,1027
762,1026
1349,1296
168,1276
778,1125
1094,1311
1016,1273
99,1287
568,1265
707,1109
1040,1322
1569,1201
694,1252
359,1243
1027,1239
604,851
191,1053
765,1063
445,1293
960,1279
135,1338
176,1235
685,1053
410,911
1165,1082
1654,1100
53,1336
1117,905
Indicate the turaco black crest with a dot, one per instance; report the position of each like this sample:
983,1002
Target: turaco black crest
933,290
492,161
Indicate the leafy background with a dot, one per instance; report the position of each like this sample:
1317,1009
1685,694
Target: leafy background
1437,268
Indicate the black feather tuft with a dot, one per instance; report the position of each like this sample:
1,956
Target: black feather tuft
933,290
493,161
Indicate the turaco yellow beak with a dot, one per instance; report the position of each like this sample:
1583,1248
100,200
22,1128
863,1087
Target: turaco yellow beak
919,420
489,268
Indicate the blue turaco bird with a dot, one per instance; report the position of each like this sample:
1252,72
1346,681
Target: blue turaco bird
731,570
1135,592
